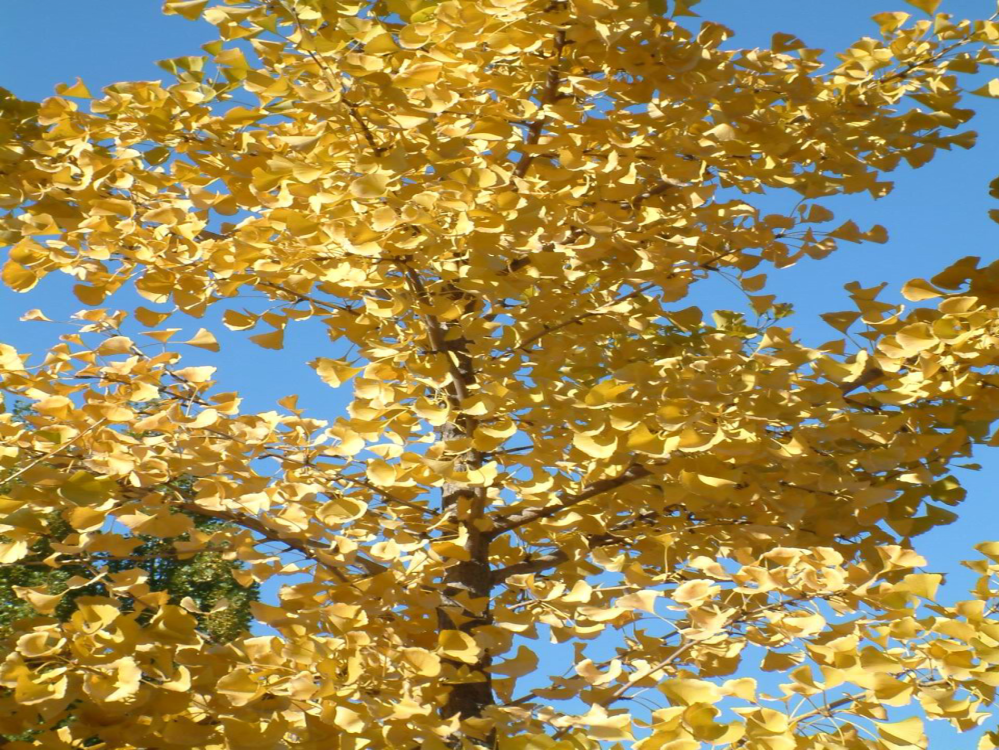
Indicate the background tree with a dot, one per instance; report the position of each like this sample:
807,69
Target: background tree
495,210
203,583
204,578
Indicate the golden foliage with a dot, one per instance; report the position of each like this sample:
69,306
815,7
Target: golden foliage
496,209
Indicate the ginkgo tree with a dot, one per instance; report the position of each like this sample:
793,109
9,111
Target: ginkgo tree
496,209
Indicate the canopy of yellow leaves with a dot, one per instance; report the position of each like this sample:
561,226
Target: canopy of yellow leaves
496,209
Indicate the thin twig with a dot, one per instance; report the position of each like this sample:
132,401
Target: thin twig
54,451
513,521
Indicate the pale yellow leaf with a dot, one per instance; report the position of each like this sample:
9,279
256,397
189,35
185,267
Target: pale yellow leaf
334,372
903,735
369,186
348,720
76,90
195,374
270,340
341,509
204,339
453,644
601,445
426,663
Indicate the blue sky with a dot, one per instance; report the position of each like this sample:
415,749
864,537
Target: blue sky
936,214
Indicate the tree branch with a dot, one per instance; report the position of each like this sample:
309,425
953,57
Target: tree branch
437,336
308,548
530,565
579,318
662,187
534,130
515,520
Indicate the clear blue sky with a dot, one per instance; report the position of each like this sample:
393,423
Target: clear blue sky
935,215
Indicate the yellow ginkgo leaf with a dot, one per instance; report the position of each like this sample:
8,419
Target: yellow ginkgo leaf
19,278
162,524
369,186
94,613
76,90
240,687
383,218
690,691
237,321
117,681
340,509
12,551
990,89
924,585
644,600
334,372
419,74
41,602
83,488
204,339
453,644
10,360
381,472
524,663
29,690
40,644
916,337
426,663
695,592
116,345
601,445
271,340
196,374
903,735
927,6
348,720
189,9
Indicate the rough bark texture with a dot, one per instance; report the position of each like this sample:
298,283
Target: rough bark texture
468,583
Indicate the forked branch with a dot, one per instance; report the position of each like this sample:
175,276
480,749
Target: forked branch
548,96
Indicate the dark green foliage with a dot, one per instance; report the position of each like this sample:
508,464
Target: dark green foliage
33,572
205,577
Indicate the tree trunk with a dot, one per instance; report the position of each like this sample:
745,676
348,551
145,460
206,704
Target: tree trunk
468,584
